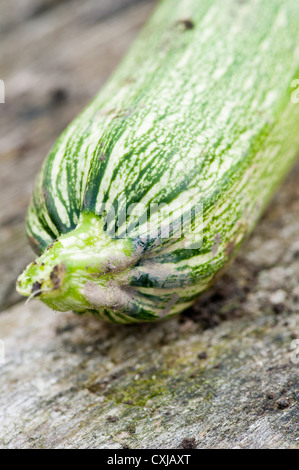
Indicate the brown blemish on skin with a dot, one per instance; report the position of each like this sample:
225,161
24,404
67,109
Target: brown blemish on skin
113,296
107,112
129,80
56,275
51,244
36,289
124,114
187,23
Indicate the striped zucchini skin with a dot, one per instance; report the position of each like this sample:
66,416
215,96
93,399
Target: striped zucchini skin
199,112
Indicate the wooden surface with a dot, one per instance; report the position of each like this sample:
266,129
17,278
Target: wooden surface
224,374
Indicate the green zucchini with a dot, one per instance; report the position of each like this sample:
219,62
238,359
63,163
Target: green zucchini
197,122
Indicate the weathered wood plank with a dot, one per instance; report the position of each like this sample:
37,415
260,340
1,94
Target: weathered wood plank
19,11
68,53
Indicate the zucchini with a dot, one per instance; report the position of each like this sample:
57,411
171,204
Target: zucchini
148,194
